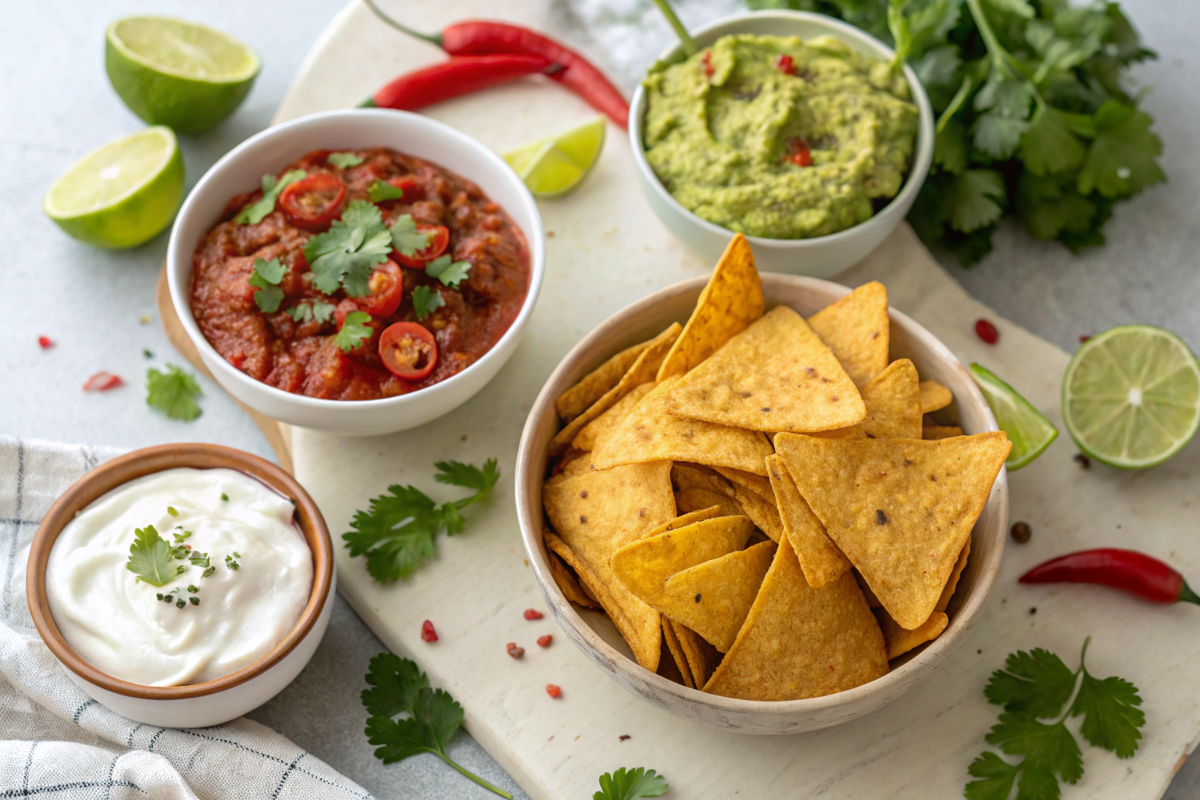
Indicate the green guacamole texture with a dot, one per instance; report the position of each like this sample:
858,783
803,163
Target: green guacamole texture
720,142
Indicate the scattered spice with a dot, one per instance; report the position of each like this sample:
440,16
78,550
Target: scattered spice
624,736
532,614
428,634
146,353
1083,461
987,331
224,497
1084,338
514,651
45,342
1021,532
544,641
1033,610
553,691
143,319
102,382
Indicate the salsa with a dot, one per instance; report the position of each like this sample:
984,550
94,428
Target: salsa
451,285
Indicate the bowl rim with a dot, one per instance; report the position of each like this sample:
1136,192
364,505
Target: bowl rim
135,464
918,171
896,680
180,263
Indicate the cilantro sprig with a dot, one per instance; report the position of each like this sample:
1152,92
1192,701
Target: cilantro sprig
397,532
450,272
405,236
426,300
150,557
381,191
312,309
266,277
631,785
400,687
256,212
344,160
173,392
354,331
345,256
1034,688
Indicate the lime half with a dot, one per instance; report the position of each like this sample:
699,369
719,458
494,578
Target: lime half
1027,428
1131,396
552,167
122,194
171,72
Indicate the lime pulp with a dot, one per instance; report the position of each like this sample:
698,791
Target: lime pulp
1027,428
554,166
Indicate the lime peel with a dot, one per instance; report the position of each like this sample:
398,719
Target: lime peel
1027,428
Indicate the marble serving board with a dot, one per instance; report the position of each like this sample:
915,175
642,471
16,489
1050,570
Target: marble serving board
606,250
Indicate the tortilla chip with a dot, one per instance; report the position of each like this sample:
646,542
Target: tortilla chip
899,641
893,408
762,513
820,560
689,500
649,433
755,483
598,513
684,520
594,430
872,600
714,598
702,657
856,328
568,582
955,574
642,371
899,509
800,642
774,376
677,654
697,476
574,401
933,432
934,396
732,300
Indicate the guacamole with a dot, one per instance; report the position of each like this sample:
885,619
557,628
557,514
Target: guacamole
777,137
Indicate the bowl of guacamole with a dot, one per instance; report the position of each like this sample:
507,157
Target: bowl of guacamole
792,128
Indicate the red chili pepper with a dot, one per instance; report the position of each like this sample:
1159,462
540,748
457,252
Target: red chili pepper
798,154
45,342
513,650
428,634
544,641
986,331
485,38
785,64
532,613
1128,570
458,76
553,690
102,382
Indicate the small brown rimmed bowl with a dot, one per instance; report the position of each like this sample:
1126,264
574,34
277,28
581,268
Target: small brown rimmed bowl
213,702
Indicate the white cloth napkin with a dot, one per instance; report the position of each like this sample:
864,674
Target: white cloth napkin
59,742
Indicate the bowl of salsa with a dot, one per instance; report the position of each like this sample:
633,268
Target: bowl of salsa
360,272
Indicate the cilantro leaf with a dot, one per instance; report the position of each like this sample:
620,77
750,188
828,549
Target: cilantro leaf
406,238
1053,211
256,212
917,25
1111,717
1006,103
1123,157
345,256
397,681
996,777
380,191
309,310
1050,144
950,148
150,557
426,300
173,392
630,785
469,476
976,199
1037,683
354,331
450,273
266,277
344,160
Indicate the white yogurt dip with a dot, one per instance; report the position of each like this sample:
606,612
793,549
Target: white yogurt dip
115,622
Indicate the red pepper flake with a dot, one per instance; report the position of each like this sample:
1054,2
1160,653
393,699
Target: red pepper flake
706,60
798,154
785,64
1083,339
544,641
428,634
987,331
624,736
553,691
102,382
532,614
513,650
45,342
1083,461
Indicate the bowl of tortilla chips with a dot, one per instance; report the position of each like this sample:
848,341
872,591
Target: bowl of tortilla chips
767,503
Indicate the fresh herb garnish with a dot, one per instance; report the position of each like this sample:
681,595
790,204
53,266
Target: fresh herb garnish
426,300
630,785
380,191
224,497
173,392
1036,686
193,600
150,557
450,272
354,331
308,310
433,715
345,256
398,530
231,563
266,277
344,160
171,510
256,212
406,238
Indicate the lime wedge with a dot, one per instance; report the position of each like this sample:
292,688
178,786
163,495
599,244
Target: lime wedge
1131,396
171,72
552,167
122,194
1027,428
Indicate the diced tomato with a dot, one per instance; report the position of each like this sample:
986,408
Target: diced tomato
408,350
532,614
553,690
387,289
438,239
45,342
706,60
785,64
544,641
412,188
428,634
102,382
313,203
798,152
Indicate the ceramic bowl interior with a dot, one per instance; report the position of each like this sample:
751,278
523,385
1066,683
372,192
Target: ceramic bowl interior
594,634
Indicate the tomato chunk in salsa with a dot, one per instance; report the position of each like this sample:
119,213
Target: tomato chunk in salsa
296,351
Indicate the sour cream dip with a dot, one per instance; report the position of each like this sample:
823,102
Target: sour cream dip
116,622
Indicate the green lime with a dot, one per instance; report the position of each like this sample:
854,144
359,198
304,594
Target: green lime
1027,428
1131,396
552,167
122,194
171,72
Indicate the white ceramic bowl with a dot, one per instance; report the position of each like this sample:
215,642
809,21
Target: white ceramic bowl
412,134
595,635
820,256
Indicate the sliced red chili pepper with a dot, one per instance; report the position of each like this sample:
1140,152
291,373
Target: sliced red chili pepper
438,237
408,350
1127,570
45,342
102,382
785,64
458,76
513,650
706,61
387,290
313,203
532,613
987,331
553,690
798,152
544,641
428,634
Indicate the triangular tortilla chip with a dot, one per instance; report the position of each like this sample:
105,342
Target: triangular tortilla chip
899,641
955,574
649,433
900,509
934,396
701,656
762,513
697,476
933,432
597,428
857,329
732,300
568,582
872,600
820,559
677,654
774,376
689,500
755,483
800,642
893,409
714,598
683,520
596,514
574,401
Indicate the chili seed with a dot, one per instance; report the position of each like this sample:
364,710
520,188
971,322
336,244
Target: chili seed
1083,461
553,690
428,634
1021,532
514,651
987,331
544,641
532,614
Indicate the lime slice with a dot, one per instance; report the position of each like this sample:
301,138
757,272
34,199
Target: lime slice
171,72
122,194
552,167
1027,428
1131,396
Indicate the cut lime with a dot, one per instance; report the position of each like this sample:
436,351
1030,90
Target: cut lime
122,194
171,72
552,167
1131,396
1027,428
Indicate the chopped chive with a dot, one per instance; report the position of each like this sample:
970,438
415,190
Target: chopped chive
180,604
158,595
194,600
193,589
208,571
224,497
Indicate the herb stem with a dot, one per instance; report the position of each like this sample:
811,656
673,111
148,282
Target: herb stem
1001,58
432,38
689,44
473,776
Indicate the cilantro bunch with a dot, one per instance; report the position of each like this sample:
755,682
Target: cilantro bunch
1034,115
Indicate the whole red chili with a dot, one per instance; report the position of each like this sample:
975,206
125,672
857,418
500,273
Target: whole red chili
785,64
987,331
544,641
45,342
532,613
513,650
428,634
102,382
553,690
458,76
1128,570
